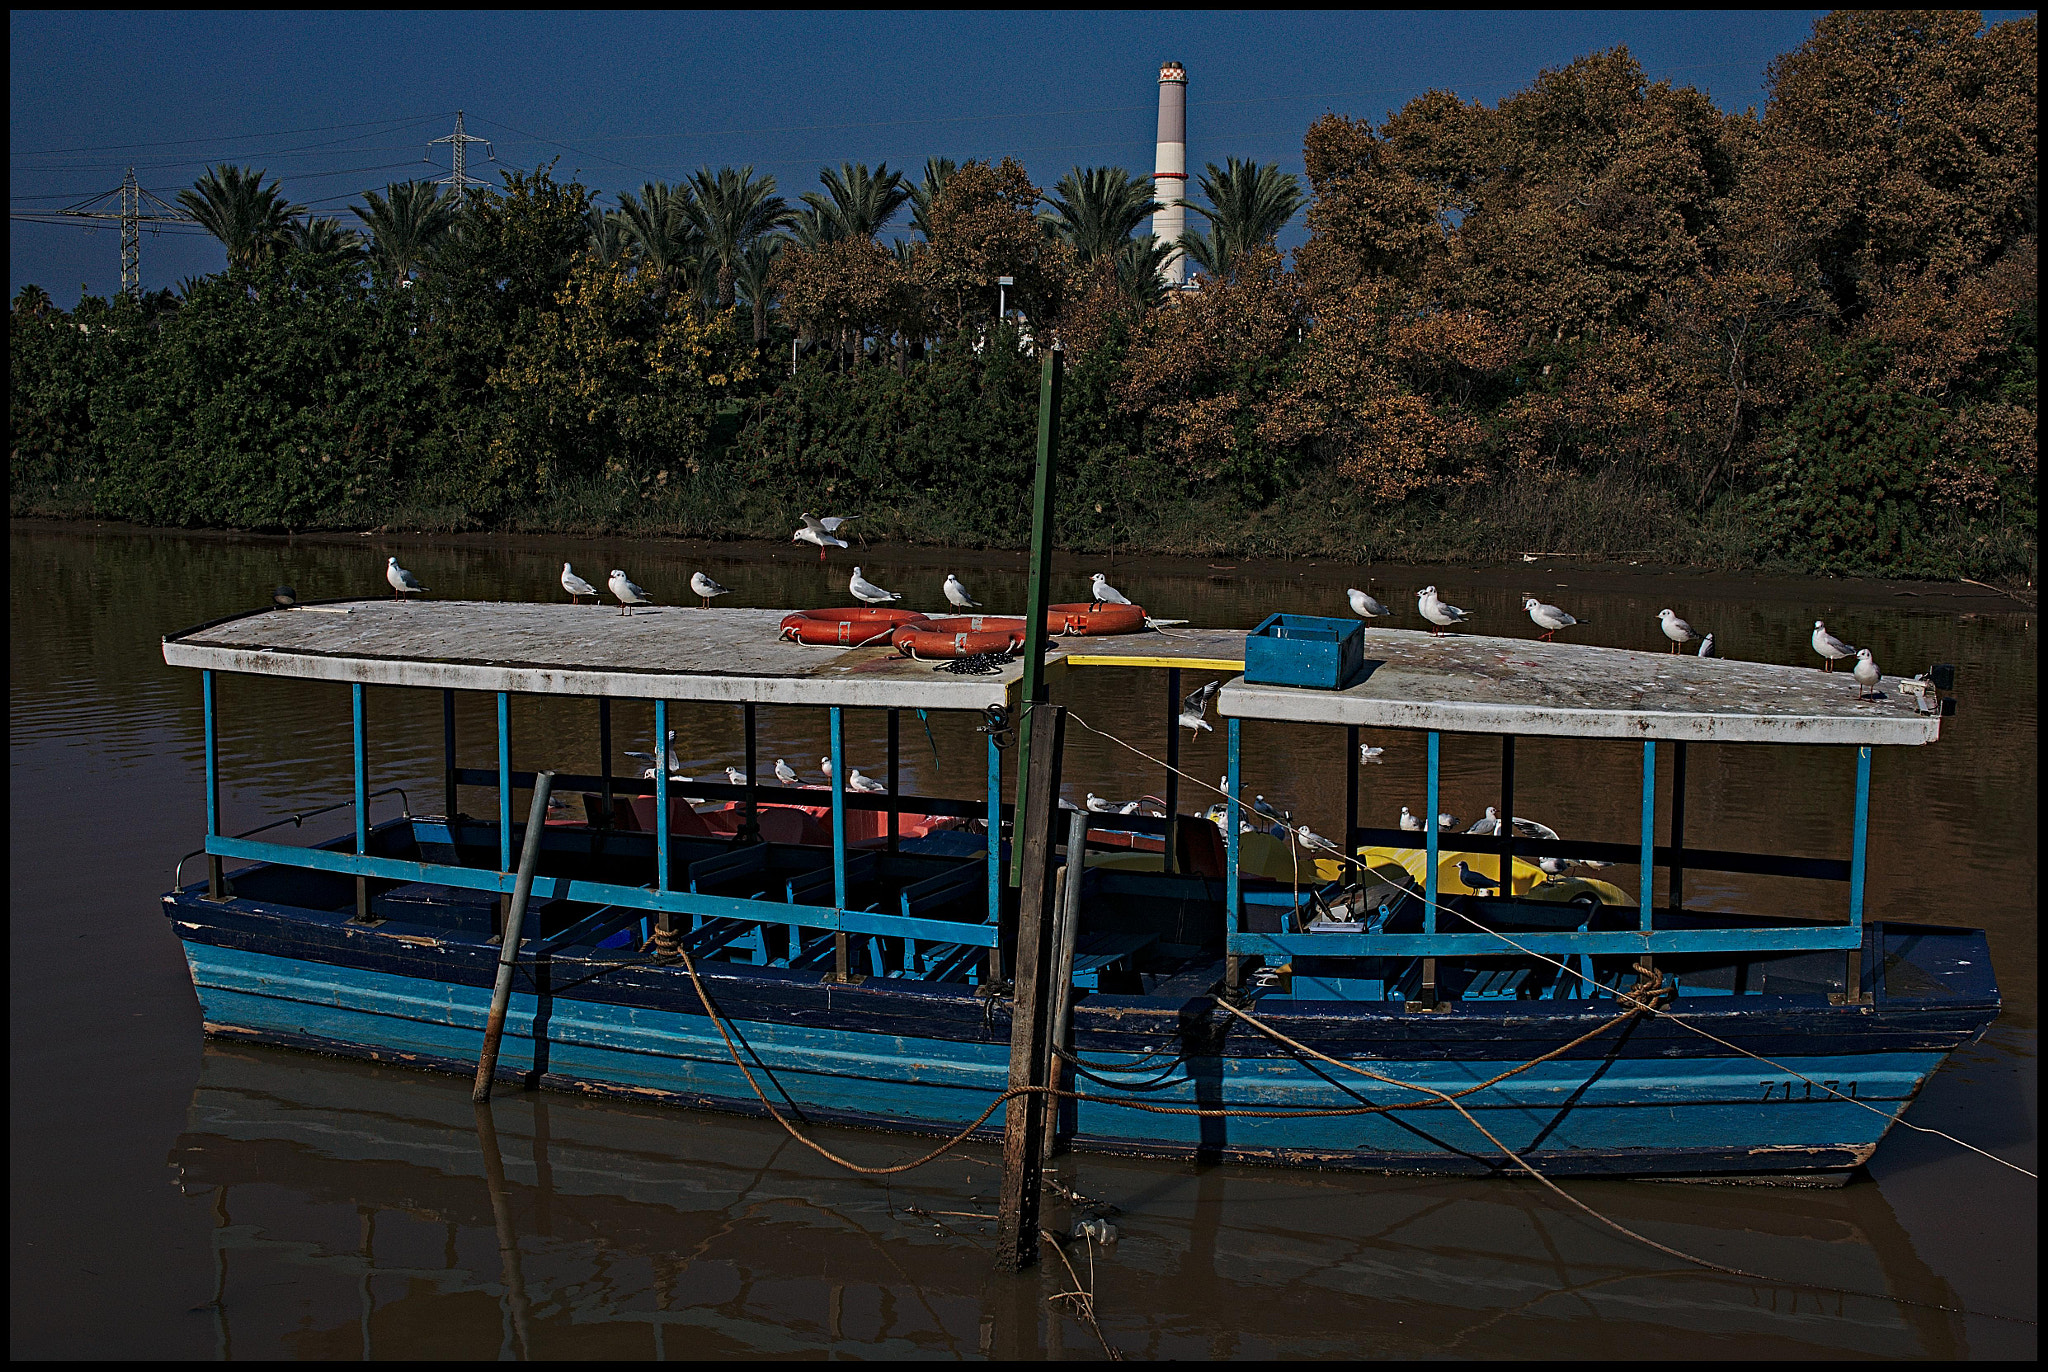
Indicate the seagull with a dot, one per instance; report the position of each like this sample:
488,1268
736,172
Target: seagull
1548,617
1436,612
1410,822
1553,867
629,595
284,597
1309,838
1448,822
1261,806
785,773
1828,646
576,586
675,764
1101,806
1707,646
825,766
957,596
1675,629
735,776
402,581
706,588
1867,675
1487,826
1102,593
1477,881
1529,828
1368,753
868,592
821,532
1195,707
869,785
1364,606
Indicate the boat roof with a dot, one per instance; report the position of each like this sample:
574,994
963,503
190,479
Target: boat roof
1468,683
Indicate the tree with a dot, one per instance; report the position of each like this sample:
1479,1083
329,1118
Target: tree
754,279
857,203
608,238
983,226
406,224
1097,209
662,228
1249,204
731,209
325,238
250,219
925,193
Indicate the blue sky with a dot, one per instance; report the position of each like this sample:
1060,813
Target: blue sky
336,103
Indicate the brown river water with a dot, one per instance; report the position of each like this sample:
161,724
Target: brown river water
173,1198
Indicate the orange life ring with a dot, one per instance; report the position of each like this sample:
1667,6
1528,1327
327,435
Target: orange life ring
1084,619
852,628
959,636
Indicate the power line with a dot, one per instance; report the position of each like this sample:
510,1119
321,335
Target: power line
232,138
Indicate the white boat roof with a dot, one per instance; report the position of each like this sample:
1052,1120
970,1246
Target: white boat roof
1467,683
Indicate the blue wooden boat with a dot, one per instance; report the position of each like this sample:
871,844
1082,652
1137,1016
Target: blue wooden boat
866,984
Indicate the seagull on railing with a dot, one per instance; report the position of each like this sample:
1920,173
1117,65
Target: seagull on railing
1368,753
1448,823
956,594
706,588
821,533
1548,618
786,774
1554,867
1437,612
1867,675
825,766
1265,809
1409,821
629,595
867,592
1477,881
867,785
1194,707
1677,630
1830,648
403,583
734,776
1101,593
1487,826
576,586
1364,606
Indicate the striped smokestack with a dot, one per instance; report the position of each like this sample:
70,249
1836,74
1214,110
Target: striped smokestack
1170,179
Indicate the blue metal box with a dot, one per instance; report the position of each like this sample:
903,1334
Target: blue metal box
1303,650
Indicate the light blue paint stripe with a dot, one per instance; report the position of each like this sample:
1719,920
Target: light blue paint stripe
1234,906
838,807
1648,860
1858,853
362,770
1468,945
505,782
661,853
208,709
1436,743
995,829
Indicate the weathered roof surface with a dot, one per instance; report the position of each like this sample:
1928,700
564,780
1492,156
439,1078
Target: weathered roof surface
669,653
1465,683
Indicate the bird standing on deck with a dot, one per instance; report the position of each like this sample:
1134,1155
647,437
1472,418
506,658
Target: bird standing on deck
1363,605
629,595
867,592
1476,881
1830,648
1675,629
866,785
403,583
821,533
1867,675
1409,821
576,586
785,773
956,594
1101,593
1548,618
1194,707
705,588
1436,612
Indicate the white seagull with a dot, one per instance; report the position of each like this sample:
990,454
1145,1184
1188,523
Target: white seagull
735,776
1867,675
821,533
576,586
1101,806
1100,592
785,773
1548,618
705,588
1363,605
825,766
1409,821
629,595
869,785
1827,645
1448,822
1707,646
1553,866
868,592
1487,826
1675,629
1195,707
957,596
404,583
1529,828
1368,753
1436,612
675,764
1309,838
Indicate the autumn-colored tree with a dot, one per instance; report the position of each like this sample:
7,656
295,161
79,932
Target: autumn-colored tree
984,225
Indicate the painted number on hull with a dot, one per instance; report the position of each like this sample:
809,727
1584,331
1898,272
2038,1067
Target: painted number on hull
1783,1091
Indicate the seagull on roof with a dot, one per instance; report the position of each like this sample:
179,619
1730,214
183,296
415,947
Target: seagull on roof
706,588
1828,646
1548,618
1368,753
868,592
576,586
1477,881
867,785
1436,612
1867,675
785,773
1488,826
1409,821
956,594
1675,629
1102,593
1707,646
1194,707
403,583
629,595
1363,605
821,533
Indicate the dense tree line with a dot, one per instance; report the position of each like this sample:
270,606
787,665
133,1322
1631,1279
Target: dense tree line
1600,314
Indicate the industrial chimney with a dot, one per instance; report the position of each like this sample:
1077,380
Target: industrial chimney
1170,180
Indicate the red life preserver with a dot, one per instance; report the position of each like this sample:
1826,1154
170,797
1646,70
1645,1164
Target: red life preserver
960,636
1083,619
852,628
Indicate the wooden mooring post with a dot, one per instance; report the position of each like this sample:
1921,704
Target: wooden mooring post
508,941
1066,932
1031,1019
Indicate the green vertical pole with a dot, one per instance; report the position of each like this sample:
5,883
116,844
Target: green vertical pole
1033,689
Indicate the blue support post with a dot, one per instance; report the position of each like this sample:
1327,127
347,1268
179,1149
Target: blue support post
362,772
1429,825
838,808
1233,782
995,830
216,883
661,795
1862,840
1649,857
504,781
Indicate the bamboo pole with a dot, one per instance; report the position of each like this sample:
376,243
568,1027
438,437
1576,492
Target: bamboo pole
508,942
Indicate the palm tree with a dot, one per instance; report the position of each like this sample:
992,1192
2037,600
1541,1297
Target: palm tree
1097,209
1249,204
732,209
927,192
249,218
661,225
406,224
857,204
326,238
1139,264
608,238
752,278
33,300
